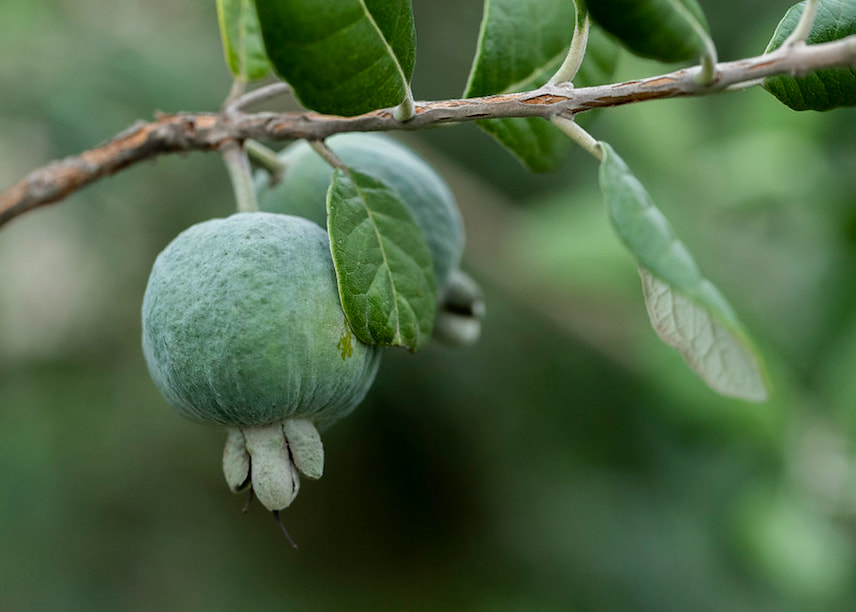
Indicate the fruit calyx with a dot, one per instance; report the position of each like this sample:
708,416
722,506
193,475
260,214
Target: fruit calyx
270,458
460,311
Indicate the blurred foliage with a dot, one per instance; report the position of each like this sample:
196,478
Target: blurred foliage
568,461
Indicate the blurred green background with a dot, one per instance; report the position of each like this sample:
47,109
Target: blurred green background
569,461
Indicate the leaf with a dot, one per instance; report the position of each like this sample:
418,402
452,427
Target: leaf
521,44
687,310
665,30
242,41
342,57
383,264
823,89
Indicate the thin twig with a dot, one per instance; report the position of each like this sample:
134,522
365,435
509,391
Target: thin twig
257,96
265,158
211,131
235,92
327,154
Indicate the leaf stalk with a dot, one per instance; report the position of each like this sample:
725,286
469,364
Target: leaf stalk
576,52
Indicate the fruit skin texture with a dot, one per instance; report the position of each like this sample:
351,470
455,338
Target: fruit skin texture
242,325
303,190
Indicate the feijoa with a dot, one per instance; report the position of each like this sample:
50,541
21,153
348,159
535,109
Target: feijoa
242,327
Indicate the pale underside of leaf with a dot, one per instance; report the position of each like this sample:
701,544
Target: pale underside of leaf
708,346
685,308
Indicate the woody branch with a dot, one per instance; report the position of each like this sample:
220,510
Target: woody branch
213,131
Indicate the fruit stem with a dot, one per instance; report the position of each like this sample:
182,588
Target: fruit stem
327,154
238,166
267,159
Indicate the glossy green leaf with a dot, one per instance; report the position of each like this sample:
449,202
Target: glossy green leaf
242,39
687,310
342,57
383,264
824,89
521,45
665,30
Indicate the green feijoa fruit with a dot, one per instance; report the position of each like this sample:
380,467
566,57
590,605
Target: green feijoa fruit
303,189
242,327
242,324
